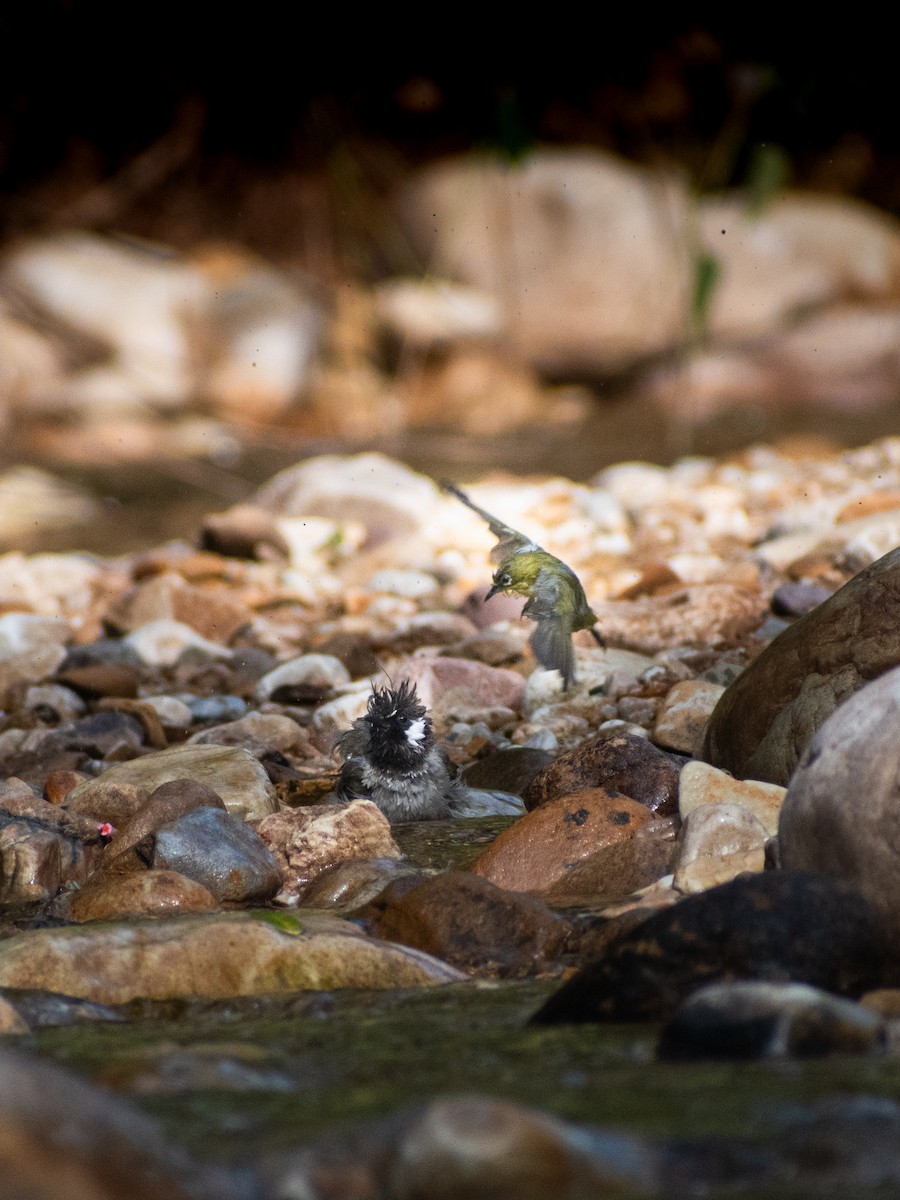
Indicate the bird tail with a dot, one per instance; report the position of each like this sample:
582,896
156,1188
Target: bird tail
453,490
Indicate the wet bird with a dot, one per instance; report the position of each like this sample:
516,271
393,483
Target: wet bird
390,756
556,599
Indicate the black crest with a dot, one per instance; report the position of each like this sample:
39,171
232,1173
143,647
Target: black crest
390,715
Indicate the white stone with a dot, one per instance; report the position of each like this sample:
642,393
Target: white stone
700,784
31,647
161,643
321,670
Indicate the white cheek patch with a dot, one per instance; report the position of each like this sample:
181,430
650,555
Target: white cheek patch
416,731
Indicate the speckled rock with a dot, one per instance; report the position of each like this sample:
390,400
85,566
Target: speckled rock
307,840
107,801
718,842
762,723
617,760
840,811
232,772
701,784
778,925
215,955
539,850
221,852
769,1020
467,921
621,868
139,893
683,715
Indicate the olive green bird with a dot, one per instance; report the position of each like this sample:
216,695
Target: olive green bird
556,599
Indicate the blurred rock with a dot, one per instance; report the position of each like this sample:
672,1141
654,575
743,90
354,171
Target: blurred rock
33,502
167,597
683,715
768,1020
353,882
509,770
435,677
31,647
585,254
621,868
426,313
778,926
304,679
161,643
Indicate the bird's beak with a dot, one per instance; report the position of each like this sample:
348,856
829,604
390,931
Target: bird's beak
493,592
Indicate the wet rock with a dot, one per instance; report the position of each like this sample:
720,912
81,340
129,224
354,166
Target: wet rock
682,718
303,680
226,954
538,851
387,497
718,842
107,801
769,1020
230,771
65,1137
306,840
840,811
42,847
762,723
780,925
435,677
58,784
620,760
467,921
219,851
132,843
701,784
469,803
508,770
621,868
161,643
139,893
31,647
353,882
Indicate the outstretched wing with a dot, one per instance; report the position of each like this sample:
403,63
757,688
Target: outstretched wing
509,541
550,608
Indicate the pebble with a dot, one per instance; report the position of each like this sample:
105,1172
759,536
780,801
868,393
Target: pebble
204,709
701,784
301,680
468,921
306,840
718,842
161,643
232,772
435,677
220,852
539,850
31,647
54,702
683,714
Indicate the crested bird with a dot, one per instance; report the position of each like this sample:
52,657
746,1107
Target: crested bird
390,756
556,599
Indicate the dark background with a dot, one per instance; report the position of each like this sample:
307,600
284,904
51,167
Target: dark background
185,122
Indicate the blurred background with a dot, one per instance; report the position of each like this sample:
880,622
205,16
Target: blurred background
230,241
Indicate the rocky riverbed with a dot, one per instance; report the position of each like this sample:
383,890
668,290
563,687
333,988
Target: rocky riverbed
685,862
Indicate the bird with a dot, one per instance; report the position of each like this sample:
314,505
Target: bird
556,599
390,756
